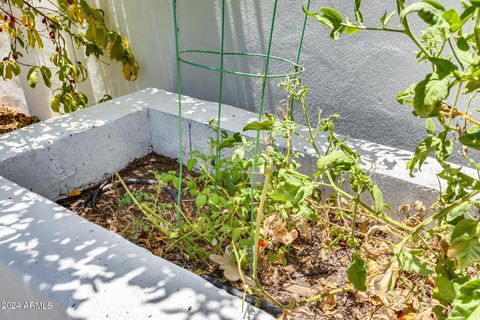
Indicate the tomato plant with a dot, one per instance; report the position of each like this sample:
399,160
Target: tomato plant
449,41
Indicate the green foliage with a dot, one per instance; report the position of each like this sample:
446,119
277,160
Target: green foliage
465,245
28,25
410,262
465,305
449,41
357,273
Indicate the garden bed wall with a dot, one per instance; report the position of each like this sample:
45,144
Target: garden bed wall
50,253
73,151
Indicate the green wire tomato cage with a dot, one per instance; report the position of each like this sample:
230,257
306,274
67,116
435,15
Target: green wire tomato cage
297,69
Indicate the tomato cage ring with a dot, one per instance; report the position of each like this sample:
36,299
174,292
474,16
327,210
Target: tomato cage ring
297,68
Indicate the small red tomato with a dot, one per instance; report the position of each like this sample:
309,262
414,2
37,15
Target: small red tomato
262,244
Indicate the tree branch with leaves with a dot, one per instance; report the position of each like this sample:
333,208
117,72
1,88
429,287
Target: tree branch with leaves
62,23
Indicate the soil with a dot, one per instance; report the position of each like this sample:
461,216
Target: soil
11,119
317,260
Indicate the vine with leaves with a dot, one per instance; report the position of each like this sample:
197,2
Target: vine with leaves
450,44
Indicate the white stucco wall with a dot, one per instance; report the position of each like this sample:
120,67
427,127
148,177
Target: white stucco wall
356,77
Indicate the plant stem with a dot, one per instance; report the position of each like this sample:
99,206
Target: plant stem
438,215
259,220
384,216
322,295
372,29
139,205
410,34
447,109
455,53
354,221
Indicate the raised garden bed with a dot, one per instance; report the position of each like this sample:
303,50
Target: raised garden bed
56,158
317,259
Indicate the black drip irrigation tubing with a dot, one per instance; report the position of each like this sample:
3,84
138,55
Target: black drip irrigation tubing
92,198
260,303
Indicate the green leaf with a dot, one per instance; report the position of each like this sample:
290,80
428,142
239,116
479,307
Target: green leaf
32,77
453,19
331,18
411,263
126,201
105,98
471,140
237,233
191,163
358,13
386,18
466,305
430,11
430,126
409,92
200,201
230,141
293,188
463,51
458,211
46,75
259,125
335,159
444,289
465,247
444,67
428,94
435,4
378,198
18,3
55,103
357,273
424,148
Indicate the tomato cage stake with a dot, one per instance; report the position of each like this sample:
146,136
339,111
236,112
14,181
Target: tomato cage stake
297,70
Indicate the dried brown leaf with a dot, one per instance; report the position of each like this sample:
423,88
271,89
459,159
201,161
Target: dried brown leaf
420,207
385,281
329,305
305,230
299,289
275,228
230,270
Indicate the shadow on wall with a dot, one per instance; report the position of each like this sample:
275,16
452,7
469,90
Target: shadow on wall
147,27
247,27
84,267
148,30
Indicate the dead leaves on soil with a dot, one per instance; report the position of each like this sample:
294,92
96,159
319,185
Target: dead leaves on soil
230,269
11,119
275,228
